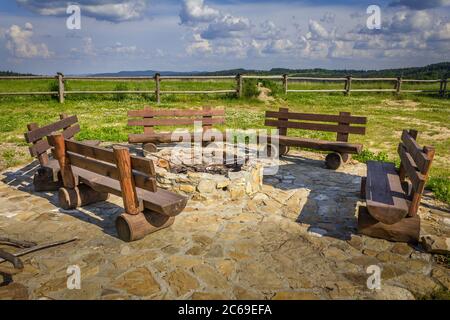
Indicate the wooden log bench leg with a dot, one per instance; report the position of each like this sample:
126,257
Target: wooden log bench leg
45,179
333,161
79,196
406,230
149,148
346,157
135,227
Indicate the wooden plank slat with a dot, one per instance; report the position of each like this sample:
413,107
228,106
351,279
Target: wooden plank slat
174,122
323,145
316,117
47,130
416,152
175,113
411,169
385,198
71,131
138,163
111,171
315,126
162,201
39,147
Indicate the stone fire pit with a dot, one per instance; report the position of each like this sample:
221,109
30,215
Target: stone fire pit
202,180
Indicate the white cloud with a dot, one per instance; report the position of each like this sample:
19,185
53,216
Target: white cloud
119,48
195,11
420,4
109,10
225,27
20,45
316,31
88,48
199,45
406,21
279,46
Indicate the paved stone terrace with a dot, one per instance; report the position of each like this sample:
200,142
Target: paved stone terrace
294,240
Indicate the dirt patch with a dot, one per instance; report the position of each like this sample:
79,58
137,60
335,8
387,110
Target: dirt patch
411,105
434,130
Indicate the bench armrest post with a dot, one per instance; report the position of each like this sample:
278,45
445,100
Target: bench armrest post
60,154
126,179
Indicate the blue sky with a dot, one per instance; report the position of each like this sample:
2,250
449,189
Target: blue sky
188,35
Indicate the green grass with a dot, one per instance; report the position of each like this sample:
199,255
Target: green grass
440,187
104,117
367,155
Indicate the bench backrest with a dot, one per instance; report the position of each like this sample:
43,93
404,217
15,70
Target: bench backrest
415,164
342,124
38,135
173,117
117,164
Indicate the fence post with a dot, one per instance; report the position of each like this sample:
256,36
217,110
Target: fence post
158,87
239,85
444,89
399,85
60,77
348,85
285,83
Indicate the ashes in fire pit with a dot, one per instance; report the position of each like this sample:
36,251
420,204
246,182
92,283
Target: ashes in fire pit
201,177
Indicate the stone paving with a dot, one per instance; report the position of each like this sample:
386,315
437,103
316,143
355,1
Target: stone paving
296,239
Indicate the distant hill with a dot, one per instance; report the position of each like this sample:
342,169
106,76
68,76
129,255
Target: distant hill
432,71
13,74
147,73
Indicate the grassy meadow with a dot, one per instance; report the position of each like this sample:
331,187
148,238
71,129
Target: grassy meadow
104,117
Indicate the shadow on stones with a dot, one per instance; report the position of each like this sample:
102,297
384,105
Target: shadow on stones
332,201
101,214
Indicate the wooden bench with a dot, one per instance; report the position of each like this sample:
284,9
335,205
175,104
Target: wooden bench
169,117
90,173
47,176
392,201
342,125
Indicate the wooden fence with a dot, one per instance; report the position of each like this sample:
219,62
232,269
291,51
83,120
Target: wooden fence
239,79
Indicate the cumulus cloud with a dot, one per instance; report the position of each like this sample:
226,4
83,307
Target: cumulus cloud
405,33
225,27
19,43
88,48
278,46
195,11
199,45
317,31
420,4
411,21
108,10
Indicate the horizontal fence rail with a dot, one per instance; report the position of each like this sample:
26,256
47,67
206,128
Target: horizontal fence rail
238,90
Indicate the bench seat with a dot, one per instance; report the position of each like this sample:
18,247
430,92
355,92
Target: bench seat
336,146
161,201
386,200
